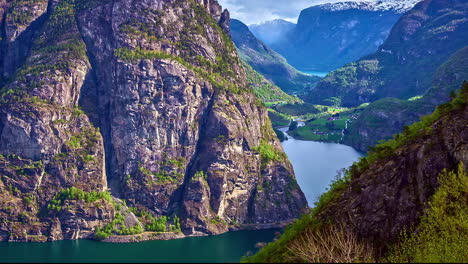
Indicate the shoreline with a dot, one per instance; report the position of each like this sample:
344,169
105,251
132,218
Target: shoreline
151,236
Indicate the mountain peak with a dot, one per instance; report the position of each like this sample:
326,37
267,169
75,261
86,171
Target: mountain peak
273,22
398,6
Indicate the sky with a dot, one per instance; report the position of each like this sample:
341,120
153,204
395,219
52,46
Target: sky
257,11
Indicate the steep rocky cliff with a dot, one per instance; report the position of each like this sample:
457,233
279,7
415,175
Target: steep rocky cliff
387,194
145,99
403,67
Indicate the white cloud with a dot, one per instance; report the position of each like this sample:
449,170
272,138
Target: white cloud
257,11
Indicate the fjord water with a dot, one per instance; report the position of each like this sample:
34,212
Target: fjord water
316,164
316,73
229,247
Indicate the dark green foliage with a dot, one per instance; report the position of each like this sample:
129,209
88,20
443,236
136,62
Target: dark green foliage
74,193
269,63
405,65
264,89
53,53
82,146
163,176
293,125
411,133
100,234
200,175
443,232
117,227
278,119
280,135
22,16
297,109
158,224
176,226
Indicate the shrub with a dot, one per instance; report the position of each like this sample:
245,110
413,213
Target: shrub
331,244
410,133
443,231
158,224
268,153
278,251
74,193
100,235
200,175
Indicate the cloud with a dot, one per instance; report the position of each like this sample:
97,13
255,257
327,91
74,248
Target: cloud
257,11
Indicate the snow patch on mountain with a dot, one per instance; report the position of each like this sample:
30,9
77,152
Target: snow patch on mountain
399,6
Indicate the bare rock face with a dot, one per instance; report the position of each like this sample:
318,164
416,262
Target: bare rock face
146,99
391,194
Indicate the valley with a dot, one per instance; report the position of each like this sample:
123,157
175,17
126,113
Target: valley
168,131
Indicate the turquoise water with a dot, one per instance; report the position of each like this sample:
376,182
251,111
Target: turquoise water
316,164
228,247
316,73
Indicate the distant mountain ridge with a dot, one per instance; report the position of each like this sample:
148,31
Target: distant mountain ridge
398,6
422,40
271,32
329,36
268,62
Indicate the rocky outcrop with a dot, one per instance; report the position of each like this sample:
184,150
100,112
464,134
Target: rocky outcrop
146,100
19,28
403,67
392,193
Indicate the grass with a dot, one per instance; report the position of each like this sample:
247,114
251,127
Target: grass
278,119
265,90
321,129
411,133
297,109
268,153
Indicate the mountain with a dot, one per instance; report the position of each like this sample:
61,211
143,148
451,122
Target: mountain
403,67
271,32
397,6
404,202
264,89
386,117
119,117
269,63
330,35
